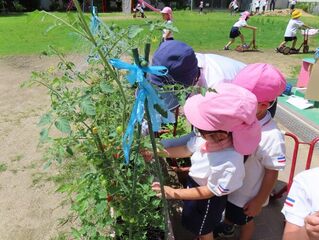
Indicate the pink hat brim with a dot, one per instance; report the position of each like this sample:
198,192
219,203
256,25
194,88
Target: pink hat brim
193,115
246,141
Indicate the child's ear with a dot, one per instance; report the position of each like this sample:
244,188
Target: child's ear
263,105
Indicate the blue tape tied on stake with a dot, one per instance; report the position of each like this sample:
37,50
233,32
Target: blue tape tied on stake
145,91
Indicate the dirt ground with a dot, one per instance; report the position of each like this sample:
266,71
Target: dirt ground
29,206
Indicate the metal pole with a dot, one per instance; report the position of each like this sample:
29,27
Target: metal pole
191,5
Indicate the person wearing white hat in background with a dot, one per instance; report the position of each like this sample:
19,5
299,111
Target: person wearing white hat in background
167,15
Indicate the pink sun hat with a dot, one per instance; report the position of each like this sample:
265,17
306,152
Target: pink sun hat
232,109
244,15
263,80
168,11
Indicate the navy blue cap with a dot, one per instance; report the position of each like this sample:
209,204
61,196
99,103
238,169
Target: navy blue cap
181,62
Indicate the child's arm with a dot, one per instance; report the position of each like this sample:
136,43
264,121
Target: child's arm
177,152
166,33
254,206
250,27
173,152
304,26
294,232
197,193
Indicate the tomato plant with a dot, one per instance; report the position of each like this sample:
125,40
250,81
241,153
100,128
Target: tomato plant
89,108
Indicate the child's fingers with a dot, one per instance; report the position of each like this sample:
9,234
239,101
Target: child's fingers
156,185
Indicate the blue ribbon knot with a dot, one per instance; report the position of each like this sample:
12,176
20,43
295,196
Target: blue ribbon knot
145,91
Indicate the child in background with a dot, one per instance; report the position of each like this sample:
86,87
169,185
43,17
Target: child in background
139,8
225,132
292,4
167,15
263,4
201,6
233,7
234,32
272,5
301,208
261,167
291,31
257,6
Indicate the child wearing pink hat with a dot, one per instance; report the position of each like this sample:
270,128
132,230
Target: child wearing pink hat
167,15
235,30
261,167
225,132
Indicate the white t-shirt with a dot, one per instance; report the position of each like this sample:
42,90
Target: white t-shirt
241,23
263,3
222,171
292,27
216,69
293,2
170,35
234,4
303,197
270,154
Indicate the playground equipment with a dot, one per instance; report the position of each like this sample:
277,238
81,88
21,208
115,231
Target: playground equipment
143,3
304,45
251,46
297,143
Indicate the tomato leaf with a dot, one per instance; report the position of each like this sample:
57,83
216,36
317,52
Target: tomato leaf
45,119
44,135
134,30
88,107
106,88
63,125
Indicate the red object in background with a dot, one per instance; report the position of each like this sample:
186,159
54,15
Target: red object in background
312,145
103,5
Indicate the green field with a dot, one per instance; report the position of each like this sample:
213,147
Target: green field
27,34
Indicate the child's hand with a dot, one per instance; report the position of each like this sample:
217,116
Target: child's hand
169,192
252,208
312,226
147,155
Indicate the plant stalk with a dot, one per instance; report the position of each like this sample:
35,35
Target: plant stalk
158,167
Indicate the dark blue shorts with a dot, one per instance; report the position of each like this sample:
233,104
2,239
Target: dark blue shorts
201,216
234,32
236,214
288,39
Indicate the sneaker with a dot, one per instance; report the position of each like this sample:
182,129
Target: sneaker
226,48
224,230
245,45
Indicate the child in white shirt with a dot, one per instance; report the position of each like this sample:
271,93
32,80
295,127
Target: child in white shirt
233,7
261,167
235,30
291,31
167,15
301,207
201,6
227,129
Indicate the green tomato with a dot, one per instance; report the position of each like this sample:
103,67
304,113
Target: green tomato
119,130
144,63
132,220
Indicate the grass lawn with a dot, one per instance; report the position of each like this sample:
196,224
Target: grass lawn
24,34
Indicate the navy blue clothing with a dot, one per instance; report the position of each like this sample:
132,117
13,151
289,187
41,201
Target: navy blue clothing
201,216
